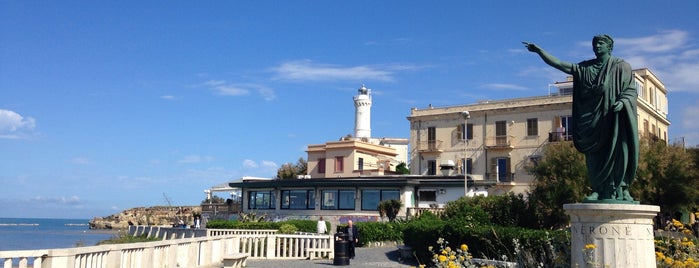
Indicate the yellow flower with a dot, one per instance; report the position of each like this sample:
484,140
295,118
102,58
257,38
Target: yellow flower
422,266
442,258
448,249
452,257
669,261
429,248
464,247
590,246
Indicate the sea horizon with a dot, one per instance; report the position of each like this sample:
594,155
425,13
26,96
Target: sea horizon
48,233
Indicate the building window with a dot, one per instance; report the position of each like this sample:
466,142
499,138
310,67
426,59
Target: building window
468,163
321,165
261,200
427,195
298,199
371,198
532,127
432,138
501,168
645,127
431,167
567,125
466,131
337,199
360,164
339,165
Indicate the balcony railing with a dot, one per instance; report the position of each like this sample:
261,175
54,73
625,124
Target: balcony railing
500,142
430,146
559,136
414,212
495,177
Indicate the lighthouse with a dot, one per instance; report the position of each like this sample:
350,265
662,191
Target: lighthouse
362,113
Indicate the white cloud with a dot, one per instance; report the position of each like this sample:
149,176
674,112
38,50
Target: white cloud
689,120
59,200
306,70
168,97
223,88
665,41
672,55
269,164
247,163
14,125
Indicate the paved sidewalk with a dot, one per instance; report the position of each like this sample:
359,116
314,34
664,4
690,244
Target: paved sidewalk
365,257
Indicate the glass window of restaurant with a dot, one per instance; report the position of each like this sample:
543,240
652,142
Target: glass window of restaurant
261,200
372,197
298,199
337,199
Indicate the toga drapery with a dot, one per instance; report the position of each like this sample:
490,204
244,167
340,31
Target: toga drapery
608,139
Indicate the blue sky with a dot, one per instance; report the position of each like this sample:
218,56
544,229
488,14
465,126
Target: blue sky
107,105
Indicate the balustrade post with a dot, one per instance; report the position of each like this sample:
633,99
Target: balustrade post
271,242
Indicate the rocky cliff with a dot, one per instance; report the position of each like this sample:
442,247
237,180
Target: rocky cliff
161,216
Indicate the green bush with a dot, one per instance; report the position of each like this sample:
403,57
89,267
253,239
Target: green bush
379,231
308,226
525,246
503,210
301,225
460,211
227,224
287,229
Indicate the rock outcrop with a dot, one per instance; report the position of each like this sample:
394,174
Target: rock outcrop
160,216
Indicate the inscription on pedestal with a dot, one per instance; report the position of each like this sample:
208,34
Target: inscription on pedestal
612,230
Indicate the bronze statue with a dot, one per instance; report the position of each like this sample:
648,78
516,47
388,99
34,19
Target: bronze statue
605,124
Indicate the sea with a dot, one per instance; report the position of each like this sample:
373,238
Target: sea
25,234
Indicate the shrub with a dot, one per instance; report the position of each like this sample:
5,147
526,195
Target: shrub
287,229
460,210
379,231
390,208
526,246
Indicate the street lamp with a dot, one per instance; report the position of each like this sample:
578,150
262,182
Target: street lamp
466,115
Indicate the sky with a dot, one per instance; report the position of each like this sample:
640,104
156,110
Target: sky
109,105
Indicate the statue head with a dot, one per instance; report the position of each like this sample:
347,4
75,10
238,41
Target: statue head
606,38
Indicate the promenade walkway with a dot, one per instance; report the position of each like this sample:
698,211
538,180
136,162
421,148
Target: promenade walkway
365,257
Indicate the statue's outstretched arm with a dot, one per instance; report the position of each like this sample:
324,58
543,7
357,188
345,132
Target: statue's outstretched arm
565,67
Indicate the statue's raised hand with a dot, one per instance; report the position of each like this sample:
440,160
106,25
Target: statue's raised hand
532,47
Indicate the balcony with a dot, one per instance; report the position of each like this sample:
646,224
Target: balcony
559,136
430,146
500,143
495,178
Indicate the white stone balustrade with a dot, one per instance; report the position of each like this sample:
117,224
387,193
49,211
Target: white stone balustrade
182,252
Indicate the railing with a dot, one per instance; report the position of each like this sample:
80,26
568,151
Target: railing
416,212
216,232
183,252
430,146
167,233
500,142
559,136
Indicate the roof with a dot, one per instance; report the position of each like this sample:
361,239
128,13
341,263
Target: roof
379,181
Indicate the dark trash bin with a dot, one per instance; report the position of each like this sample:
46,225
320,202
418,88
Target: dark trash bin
341,249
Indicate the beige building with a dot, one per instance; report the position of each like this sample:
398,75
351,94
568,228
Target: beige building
498,138
350,158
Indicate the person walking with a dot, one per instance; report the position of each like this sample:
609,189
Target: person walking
353,234
321,228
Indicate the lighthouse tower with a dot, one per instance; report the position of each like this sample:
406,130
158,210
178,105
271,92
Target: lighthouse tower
362,113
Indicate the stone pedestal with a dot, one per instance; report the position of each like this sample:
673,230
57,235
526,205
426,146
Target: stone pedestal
612,235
